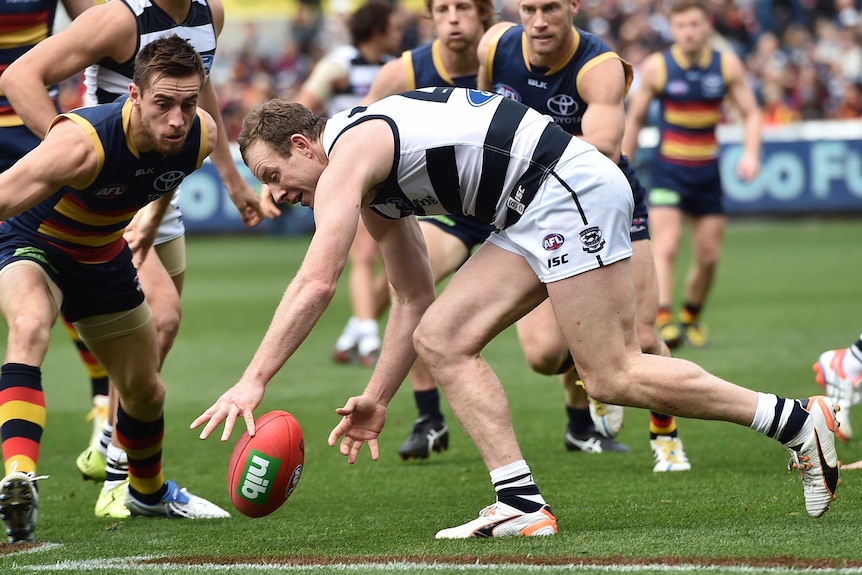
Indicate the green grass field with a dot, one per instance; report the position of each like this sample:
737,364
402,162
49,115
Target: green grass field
786,291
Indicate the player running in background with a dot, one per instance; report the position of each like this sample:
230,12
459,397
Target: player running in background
576,78
106,38
445,150
66,205
839,373
691,80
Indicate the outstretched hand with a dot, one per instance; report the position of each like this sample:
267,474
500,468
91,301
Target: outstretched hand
240,400
362,418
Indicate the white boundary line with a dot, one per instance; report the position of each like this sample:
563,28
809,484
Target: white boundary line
136,564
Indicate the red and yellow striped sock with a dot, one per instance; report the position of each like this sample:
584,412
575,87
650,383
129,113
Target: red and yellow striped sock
22,416
142,442
660,424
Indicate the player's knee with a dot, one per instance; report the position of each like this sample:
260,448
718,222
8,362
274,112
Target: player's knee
141,393
167,328
30,331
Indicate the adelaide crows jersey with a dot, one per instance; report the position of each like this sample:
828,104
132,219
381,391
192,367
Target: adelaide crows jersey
88,222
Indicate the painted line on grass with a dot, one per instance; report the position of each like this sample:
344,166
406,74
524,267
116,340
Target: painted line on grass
140,564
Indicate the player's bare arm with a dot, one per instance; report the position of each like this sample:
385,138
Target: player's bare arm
740,95
409,272
603,87
353,170
639,102
75,8
105,31
483,78
65,157
391,79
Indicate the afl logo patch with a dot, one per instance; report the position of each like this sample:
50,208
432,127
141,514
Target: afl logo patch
507,92
110,191
592,239
553,242
168,181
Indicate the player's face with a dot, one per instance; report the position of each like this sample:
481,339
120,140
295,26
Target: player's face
167,111
548,24
394,35
457,24
292,180
690,29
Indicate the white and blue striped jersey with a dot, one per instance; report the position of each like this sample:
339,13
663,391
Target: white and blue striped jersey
461,151
108,79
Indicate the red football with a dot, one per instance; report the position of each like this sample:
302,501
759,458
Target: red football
265,469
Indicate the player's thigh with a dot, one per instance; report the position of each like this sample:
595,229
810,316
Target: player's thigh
159,287
173,256
596,314
364,250
126,345
490,292
645,281
665,224
445,251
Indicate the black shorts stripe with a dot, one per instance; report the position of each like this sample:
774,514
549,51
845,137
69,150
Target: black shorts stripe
495,161
443,173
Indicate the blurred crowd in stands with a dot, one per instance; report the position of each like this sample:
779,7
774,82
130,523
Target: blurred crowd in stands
804,57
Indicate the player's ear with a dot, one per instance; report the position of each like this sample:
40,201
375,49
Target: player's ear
134,93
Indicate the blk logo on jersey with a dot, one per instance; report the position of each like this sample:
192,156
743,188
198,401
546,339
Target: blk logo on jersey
592,239
553,242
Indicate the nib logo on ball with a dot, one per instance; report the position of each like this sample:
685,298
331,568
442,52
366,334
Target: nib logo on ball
264,469
257,477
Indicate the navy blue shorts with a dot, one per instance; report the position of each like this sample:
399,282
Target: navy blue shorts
694,190
15,142
88,289
640,223
468,229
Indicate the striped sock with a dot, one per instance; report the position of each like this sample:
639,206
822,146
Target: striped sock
105,438
22,416
515,487
142,442
783,419
661,424
116,467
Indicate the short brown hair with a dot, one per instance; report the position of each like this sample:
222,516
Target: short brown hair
485,8
368,21
168,56
678,6
274,122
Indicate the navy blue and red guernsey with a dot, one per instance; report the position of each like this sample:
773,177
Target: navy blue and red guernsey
424,67
556,91
690,96
22,26
88,222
